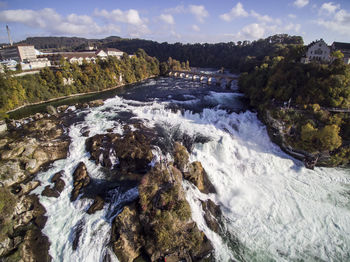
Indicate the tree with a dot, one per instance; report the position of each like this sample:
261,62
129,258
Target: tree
329,137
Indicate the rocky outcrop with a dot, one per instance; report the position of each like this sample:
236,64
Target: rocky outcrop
96,103
96,205
80,180
129,155
197,175
193,172
27,147
58,187
160,223
212,213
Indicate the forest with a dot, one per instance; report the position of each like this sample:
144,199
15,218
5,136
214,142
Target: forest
241,56
71,79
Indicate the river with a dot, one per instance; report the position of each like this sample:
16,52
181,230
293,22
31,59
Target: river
273,209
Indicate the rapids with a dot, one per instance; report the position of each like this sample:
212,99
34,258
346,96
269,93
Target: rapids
273,208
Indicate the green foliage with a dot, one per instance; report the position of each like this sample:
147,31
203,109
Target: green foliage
17,91
183,210
338,54
228,55
329,137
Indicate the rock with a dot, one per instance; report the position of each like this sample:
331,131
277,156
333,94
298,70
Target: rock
211,213
29,148
126,235
97,205
31,164
6,245
197,175
3,142
180,157
30,186
129,155
77,230
81,179
3,127
35,247
310,162
162,224
62,108
51,110
86,133
11,172
59,183
49,192
96,103
38,116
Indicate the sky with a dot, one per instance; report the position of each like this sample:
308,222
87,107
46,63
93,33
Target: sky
208,21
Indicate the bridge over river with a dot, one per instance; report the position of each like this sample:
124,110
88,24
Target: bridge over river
219,79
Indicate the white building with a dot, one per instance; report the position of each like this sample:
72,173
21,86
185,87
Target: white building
318,51
18,53
105,52
321,52
35,64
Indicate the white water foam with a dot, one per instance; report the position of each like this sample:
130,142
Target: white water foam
276,208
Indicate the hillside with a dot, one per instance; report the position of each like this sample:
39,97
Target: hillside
239,57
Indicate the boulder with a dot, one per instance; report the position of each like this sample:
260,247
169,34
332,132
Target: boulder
59,183
35,246
197,175
97,205
81,179
211,213
3,127
181,157
129,155
126,235
62,108
96,103
49,192
51,110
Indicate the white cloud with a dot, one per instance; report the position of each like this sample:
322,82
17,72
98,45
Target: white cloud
261,18
329,8
199,12
195,28
167,18
252,31
301,3
339,22
130,16
292,27
237,11
176,10
292,16
52,22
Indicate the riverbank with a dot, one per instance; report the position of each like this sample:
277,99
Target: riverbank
77,95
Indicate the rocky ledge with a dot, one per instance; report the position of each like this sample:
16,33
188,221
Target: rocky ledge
24,150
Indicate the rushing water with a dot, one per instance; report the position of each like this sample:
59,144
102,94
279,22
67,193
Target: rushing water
273,208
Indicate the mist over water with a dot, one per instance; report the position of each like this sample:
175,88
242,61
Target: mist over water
273,208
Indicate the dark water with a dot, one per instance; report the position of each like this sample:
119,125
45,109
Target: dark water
180,91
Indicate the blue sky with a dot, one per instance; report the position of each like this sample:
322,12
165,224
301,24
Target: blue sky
177,21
